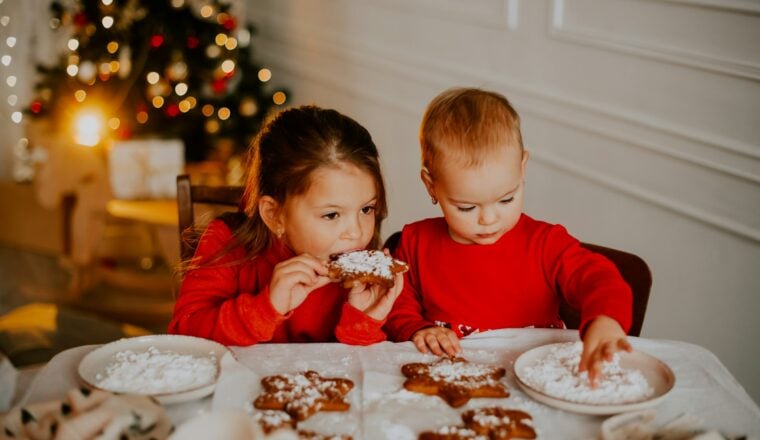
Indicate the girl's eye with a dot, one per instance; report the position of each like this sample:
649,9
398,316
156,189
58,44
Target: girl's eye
506,201
368,209
465,209
330,216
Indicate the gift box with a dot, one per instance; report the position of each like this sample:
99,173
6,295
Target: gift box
146,168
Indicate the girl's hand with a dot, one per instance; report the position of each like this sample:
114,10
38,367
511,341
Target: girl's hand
602,339
294,279
374,299
439,340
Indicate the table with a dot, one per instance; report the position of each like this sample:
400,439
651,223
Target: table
381,409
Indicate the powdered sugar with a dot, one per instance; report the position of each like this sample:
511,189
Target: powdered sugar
374,262
155,372
557,375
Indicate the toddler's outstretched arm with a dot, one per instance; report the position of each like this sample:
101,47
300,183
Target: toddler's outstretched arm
603,337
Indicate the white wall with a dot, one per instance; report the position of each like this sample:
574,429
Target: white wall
642,117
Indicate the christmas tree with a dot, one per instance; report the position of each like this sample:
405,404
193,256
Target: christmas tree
156,68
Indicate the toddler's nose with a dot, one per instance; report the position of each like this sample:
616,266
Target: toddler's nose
487,216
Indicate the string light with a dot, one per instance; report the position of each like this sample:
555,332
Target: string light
265,75
88,127
7,60
279,98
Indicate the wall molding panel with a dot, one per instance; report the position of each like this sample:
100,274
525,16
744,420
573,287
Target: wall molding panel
670,204
563,31
496,14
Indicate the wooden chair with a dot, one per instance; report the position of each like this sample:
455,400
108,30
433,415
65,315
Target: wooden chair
188,196
634,270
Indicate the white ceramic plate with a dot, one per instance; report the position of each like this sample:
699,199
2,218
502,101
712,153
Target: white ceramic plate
657,373
97,360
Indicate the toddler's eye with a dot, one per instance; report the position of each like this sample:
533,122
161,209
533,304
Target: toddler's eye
330,216
368,209
465,208
506,201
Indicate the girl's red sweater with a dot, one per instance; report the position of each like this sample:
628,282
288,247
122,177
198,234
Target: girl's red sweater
228,301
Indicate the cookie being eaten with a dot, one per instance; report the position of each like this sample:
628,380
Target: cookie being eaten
373,267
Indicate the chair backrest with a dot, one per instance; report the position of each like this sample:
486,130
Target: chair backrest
633,269
187,196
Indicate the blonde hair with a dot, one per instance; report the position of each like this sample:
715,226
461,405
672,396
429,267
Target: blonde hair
467,124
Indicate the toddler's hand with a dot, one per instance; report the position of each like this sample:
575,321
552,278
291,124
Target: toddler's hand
374,299
294,279
438,340
602,339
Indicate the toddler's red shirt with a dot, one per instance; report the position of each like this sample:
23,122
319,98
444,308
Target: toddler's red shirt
514,282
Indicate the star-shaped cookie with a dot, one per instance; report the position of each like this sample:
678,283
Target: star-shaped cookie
455,380
303,394
493,423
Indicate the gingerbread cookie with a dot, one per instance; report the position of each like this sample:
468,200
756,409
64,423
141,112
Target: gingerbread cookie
311,435
372,267
492,423
452,433
455,380
500,423
303,394
271,420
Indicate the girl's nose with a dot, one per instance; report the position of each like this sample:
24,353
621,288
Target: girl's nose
353,230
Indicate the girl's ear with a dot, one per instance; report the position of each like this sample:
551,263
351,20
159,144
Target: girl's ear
271,213
524,162
427,179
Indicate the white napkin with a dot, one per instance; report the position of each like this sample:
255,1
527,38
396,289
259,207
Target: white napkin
229,425
8,379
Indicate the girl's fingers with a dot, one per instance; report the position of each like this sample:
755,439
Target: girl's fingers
305,261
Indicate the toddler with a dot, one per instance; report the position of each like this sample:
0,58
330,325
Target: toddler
485,264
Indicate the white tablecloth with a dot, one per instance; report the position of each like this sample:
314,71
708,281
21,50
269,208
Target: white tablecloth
381,409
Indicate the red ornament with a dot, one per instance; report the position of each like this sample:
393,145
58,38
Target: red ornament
36,107
193,42
80,19
219,86
156,41
229,24
124,132
172,110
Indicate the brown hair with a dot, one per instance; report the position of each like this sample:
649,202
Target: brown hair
285,153
467,124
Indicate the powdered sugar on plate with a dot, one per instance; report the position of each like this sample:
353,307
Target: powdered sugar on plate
155,372
556,375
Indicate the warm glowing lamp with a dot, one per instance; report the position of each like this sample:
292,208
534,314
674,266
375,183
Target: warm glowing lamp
88,126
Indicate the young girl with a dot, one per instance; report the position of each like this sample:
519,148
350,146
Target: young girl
314,188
